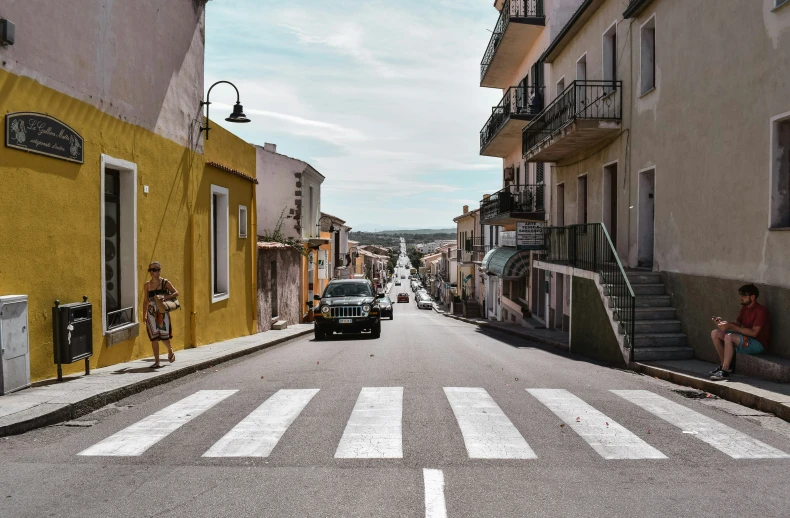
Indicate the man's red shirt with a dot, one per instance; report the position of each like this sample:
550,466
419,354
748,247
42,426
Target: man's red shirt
754,316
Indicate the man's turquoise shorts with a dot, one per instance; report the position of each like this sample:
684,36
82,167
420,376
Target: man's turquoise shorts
747,344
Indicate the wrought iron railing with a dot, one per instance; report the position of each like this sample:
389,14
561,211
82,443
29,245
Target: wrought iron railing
513,198
518,100
589,247
511,9
120,318
580,100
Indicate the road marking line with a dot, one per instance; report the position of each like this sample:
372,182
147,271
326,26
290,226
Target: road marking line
608,438
736,444
257,434
487,431
435,506
137,438
374,430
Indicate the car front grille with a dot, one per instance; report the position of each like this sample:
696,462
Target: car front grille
346,311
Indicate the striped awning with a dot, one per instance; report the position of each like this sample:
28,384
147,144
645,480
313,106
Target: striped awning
507,263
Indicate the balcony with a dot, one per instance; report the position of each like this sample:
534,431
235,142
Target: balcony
512,204
586,113
519,25
502,132
472,252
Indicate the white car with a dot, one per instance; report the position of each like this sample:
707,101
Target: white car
425,302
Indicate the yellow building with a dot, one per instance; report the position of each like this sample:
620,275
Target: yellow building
126,178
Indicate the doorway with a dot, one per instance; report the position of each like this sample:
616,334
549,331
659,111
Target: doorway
559,299
581,200
560,205
610,201
646,224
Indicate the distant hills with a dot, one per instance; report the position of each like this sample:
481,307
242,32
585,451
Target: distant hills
392,237
419,231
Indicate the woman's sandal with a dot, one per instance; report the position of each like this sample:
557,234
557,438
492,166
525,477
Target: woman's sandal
171,356
155,366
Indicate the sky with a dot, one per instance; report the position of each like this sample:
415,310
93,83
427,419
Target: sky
382,98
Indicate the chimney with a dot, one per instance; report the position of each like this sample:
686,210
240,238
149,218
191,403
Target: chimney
466,209
272,148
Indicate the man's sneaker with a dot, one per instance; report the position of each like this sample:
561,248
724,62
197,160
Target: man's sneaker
714,371
720,375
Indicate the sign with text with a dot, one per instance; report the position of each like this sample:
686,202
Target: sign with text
44,135
529,235
323,264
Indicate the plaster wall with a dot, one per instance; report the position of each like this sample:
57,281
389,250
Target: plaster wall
287,284
279,192
140,62
591,331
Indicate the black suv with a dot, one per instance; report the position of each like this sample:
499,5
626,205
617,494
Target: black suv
347,306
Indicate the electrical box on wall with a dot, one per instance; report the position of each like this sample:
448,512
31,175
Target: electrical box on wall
14,344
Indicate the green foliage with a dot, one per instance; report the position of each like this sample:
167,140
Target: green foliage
390,238
277,236
415,256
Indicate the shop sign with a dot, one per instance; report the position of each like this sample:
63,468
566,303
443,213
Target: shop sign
44,135
529,235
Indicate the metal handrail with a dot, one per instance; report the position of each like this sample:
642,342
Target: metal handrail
513,198
518,100
589,247
511,9
592,99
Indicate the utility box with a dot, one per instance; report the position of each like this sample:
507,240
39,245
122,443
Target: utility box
14,344
72,331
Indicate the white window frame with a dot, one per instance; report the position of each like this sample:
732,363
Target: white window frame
130,289
780,3
243,221
582,59
223,237
558,91
604,36
642,28
773,167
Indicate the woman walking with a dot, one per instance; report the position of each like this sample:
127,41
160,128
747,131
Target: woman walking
157,323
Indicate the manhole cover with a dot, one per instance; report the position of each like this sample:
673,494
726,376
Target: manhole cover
695,394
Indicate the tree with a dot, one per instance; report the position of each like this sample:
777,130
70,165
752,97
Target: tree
415,256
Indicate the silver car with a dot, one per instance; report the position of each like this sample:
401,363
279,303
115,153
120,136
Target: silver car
424,301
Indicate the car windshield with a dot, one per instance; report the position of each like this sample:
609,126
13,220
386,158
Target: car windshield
357,289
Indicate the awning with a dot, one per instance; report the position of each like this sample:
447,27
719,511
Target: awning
507,263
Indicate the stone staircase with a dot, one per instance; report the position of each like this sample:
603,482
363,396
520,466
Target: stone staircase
657,334
473,309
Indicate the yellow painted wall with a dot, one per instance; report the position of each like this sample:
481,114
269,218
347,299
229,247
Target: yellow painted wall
50,245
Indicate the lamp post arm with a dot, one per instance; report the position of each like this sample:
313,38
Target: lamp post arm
207,102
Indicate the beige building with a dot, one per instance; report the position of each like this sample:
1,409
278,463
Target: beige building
654,148
468,259
511,62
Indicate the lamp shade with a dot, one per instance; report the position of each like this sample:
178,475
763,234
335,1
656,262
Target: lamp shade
238,114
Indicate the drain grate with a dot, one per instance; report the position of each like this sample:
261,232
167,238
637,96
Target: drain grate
695,394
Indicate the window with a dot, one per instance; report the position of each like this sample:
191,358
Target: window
648,56
581,68
780,171
610,54
220,249
560,205
242,221
560,87
581,200
779,3
119,243
273,290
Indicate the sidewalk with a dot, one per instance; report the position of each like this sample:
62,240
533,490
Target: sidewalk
48,402
750,392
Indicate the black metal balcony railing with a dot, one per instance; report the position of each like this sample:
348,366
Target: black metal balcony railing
512,199
120,318
580,100
589,247
511,9
518,100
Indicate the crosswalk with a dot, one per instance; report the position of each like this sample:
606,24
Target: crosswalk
374,429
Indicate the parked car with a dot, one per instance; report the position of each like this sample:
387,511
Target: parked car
425,302
386,307
347,306
397,283
403,297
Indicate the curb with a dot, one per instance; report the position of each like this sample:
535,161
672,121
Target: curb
723,390
70,411
525,336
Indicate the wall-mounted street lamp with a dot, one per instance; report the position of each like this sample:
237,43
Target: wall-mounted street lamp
331,224
238,109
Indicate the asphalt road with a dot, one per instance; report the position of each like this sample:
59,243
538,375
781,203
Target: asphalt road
463,397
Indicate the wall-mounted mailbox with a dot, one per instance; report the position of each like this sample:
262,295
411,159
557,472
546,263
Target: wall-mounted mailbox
72,333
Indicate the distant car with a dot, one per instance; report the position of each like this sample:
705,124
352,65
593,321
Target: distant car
397,283
425,302
403,297
421,294
402,276
386,307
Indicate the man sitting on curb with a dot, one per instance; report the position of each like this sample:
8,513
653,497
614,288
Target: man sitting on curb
750,334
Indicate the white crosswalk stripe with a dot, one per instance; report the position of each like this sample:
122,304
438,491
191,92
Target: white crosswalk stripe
137,438
725,439
487,431
374,430
257,434
608,438
435,506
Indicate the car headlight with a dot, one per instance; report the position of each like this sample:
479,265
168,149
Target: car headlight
325,309
366,308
